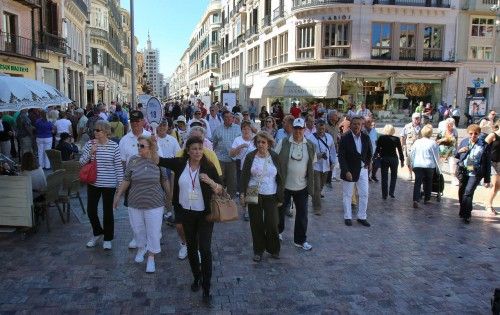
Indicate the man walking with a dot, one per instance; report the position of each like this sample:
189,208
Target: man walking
297,156
410,134
223,138
355,154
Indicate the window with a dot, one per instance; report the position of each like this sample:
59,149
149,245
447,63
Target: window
283,47
336,40
267,54
250,60
433,36
275,50
481,52
482,27
407,41
381,40
305,42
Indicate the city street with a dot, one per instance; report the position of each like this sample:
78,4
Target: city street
409,261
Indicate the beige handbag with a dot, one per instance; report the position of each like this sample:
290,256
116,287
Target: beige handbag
223,208
252,193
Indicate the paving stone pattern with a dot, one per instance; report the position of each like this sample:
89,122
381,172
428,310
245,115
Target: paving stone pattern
410,262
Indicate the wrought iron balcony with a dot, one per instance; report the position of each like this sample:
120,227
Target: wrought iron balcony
416,3
97,32
266,21
299,4
30,3
279,12
53,43
252,30
11,44
82,6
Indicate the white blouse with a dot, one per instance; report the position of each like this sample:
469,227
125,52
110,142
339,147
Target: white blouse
263,173
190,197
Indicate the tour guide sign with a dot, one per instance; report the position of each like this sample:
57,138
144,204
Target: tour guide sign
14,68
154,113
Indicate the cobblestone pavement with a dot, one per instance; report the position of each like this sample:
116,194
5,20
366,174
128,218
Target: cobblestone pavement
410,261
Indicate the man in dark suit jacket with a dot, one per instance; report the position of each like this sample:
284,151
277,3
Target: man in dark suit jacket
355,157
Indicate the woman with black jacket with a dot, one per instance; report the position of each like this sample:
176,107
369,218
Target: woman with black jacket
195,181
387,144
474,164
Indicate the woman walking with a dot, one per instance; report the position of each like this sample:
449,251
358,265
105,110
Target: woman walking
447,141
474,164
147,183
195,181
387,145
44,130
109,176
493,140
424,159
270,126
262,169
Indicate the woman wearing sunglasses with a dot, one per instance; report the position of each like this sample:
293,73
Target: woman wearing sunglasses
147,183
270,126
109,176
474,164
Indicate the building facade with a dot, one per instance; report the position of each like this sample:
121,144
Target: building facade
152,68
389,54
105,73
127,86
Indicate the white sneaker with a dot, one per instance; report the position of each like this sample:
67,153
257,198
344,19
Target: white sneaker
132,244
183,252
150,266
94,240
139,257
304,246
107,245
280,237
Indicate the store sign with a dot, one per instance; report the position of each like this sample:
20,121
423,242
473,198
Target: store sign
340,17
13,68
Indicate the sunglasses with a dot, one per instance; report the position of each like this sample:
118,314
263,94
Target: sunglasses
97,130
142,146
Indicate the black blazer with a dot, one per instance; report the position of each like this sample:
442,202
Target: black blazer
178,164
349,158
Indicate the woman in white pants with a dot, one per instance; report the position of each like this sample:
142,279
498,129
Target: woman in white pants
146,199
44,130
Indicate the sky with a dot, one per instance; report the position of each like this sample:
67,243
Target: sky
170,24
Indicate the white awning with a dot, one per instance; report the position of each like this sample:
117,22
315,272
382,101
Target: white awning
297,84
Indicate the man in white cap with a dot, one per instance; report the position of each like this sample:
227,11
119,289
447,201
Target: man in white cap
297,156
410,134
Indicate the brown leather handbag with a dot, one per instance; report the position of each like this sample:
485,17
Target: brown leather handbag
223,208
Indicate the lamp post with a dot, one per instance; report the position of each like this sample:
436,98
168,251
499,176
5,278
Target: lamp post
211,88
495,8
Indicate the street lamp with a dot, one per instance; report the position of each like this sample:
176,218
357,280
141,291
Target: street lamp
212,88
196,92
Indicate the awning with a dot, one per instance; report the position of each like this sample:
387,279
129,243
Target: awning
297,84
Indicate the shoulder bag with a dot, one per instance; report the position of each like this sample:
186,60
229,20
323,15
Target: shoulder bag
88,172
252,193
223,208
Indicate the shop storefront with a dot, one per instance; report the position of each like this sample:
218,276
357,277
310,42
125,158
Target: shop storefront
21,68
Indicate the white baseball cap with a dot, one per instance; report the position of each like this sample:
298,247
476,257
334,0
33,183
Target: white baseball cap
299,123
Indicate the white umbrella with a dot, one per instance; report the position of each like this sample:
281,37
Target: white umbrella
21,93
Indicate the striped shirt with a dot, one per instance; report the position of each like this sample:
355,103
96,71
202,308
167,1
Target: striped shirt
223,138
145,183
109,165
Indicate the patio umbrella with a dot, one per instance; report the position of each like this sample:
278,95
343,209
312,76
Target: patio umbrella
21,93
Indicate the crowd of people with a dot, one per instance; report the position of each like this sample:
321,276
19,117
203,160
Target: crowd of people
196,152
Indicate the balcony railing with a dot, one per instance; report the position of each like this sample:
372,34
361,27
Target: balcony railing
407,53
299,4
97,32
16,45
214,65
82,6
239,5
336,52
278,13
214,43
266,21
432,55
416,3
52,42
252,30
30,3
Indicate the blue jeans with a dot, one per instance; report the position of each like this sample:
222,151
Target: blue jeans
466,189
300,199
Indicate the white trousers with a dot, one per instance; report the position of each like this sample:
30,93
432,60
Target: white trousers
146,225
347,188
43,144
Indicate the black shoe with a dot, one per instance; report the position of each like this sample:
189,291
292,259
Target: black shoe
392,196
348,222
207,298
196,285
257,257
375,179
384,197
466,220
415,204
364,222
